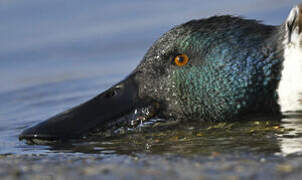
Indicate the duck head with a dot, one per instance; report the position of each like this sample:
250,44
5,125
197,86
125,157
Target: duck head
214,69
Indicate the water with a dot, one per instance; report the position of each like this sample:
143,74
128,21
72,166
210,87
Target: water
57,54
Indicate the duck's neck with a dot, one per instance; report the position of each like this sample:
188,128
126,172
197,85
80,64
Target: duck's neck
290,85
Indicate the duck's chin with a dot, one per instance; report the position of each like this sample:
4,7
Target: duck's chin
137,120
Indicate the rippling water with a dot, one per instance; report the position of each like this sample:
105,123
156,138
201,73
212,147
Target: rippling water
57,54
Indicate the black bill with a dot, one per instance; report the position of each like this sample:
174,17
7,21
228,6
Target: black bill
98,112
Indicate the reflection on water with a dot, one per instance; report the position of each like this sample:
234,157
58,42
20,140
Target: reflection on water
268,137
291,141
262,136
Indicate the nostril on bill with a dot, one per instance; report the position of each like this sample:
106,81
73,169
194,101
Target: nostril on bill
113,92
110,94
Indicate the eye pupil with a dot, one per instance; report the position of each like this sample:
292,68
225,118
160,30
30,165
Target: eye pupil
181,60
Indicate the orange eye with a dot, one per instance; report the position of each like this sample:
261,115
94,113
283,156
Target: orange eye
181,60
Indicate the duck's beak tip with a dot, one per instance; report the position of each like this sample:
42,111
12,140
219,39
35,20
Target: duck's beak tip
27,134
36,133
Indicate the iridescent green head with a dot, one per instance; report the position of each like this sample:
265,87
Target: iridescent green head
233,68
